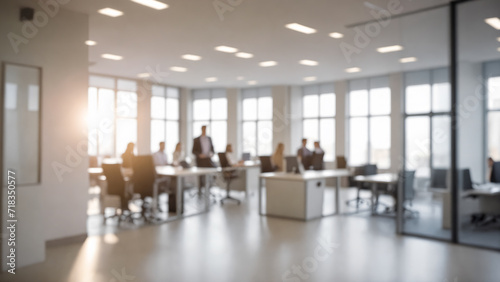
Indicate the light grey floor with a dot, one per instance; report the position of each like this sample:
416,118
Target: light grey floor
233,243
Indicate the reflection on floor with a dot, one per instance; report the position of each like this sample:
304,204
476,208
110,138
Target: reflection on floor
233,243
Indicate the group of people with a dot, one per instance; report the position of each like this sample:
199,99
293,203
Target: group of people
303,153
203,151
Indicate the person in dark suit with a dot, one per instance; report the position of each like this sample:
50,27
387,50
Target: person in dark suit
303,153
203,149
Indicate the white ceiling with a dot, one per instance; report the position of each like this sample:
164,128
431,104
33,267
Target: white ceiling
155,40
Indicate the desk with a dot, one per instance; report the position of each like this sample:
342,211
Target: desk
298,196
181,174
381,178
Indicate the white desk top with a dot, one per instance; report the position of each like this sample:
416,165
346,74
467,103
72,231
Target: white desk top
489,190
168,171
179,171
382,178
308,175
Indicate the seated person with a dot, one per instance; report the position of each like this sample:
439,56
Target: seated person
128,156
230,158
160,158
317,148
277,158
178,155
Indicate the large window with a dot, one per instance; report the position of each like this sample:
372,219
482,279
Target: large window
257,121
370,122
210,109
164,118
493,109
112,115
428,122
318,112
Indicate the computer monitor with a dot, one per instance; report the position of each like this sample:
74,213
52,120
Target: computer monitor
293,165
246,156
495,173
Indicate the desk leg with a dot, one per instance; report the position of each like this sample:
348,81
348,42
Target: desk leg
337,196
155,199
207,192
179,197
260,196
374,200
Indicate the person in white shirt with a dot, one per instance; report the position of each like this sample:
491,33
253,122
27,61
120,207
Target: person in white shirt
160,158
178,155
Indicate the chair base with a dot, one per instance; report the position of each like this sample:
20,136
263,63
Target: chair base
228,197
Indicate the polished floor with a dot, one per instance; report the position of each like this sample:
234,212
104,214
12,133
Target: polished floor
233,243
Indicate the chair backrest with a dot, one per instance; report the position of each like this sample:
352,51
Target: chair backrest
223,160
465,179
292,164
265,164
93,161
144,175
438,178
317,161
246,156
495,173
114,178
370,169
408,179
341,162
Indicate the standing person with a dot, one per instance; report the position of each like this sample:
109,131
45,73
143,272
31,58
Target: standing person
303,153
317,148
277,158
160,157
203,149
128,156
178,155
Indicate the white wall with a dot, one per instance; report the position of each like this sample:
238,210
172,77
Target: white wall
55,208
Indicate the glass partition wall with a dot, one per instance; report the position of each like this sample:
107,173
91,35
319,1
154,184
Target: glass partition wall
478,123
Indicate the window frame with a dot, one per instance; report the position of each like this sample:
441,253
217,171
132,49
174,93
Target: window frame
320,89
165,119
260,92
368,116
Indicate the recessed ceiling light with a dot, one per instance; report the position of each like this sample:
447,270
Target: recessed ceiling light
498,39
300,28
191,57
310,78
226,49
240,78
178,69
90,42
152,4
494,22
388,49
268,64
110,12
351,70
308,63
408,60
252,82
111,57
498,49
144,75
211,79
336,35
244,55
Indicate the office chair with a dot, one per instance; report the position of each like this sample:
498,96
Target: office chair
229,174
266,165
116,185
407,179
369,169
438,179
144,181
317,161
495,173
341,162
292,164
